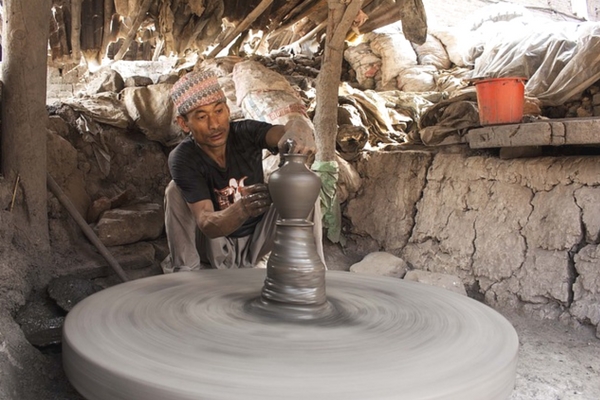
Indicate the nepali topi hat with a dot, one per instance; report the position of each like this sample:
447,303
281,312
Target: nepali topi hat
196,89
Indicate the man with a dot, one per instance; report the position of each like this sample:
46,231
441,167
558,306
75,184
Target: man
218,211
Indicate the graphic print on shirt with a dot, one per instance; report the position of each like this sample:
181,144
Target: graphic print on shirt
230,194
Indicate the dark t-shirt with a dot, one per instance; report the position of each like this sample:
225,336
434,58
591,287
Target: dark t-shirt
201,178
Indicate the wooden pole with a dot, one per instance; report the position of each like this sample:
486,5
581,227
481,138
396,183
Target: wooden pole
76,30
66,202
340,19
106,31
24,114
245,24
135,25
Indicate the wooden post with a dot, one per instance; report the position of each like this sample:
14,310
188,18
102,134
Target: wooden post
339,22
76,30
24,115
135,25
245,24
106,32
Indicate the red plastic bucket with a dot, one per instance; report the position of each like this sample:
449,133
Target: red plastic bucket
500,100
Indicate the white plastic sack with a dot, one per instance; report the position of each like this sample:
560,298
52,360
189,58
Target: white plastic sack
228,87
274,107
251,76
462,46
363,61
265,95
433,52
420,78
396,54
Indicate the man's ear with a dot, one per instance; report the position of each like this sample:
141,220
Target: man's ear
182,124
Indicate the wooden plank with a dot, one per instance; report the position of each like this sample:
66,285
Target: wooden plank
576,131
514,135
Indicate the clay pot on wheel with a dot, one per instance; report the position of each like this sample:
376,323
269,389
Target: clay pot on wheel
294,188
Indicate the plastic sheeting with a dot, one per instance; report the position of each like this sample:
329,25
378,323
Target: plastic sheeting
559,59
105,108
328,171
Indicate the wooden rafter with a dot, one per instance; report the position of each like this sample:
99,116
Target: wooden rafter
135,25
242,26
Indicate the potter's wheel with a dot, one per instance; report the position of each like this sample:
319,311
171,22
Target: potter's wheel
196,335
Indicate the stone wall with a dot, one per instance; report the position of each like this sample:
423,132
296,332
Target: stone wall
521,233
62,84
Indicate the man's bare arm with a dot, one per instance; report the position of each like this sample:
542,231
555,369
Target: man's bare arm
215,224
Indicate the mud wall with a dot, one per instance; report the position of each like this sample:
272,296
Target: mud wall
520,233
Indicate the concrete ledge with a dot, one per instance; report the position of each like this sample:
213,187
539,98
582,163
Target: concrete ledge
574,131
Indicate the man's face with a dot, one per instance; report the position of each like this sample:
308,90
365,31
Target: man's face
208,124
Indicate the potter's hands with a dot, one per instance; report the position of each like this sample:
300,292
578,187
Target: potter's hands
298,138
255,200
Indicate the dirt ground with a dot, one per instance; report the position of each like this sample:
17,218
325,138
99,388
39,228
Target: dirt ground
556,362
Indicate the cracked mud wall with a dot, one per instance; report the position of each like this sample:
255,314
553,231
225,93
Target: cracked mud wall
521,233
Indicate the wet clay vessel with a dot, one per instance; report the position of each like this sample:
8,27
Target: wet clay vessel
295,282
294,188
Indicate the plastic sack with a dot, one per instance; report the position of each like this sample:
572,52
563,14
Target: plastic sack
364,62
153,112
432,52
420,78
462,46
251,76
396,54
265,95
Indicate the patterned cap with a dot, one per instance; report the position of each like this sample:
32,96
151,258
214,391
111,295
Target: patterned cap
196,89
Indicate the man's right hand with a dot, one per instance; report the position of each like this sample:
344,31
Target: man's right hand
255,200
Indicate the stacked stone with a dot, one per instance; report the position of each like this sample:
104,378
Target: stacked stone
596,100
589,104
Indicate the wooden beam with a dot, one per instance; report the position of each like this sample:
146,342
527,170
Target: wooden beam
245,24
135,25
282,13
303,10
